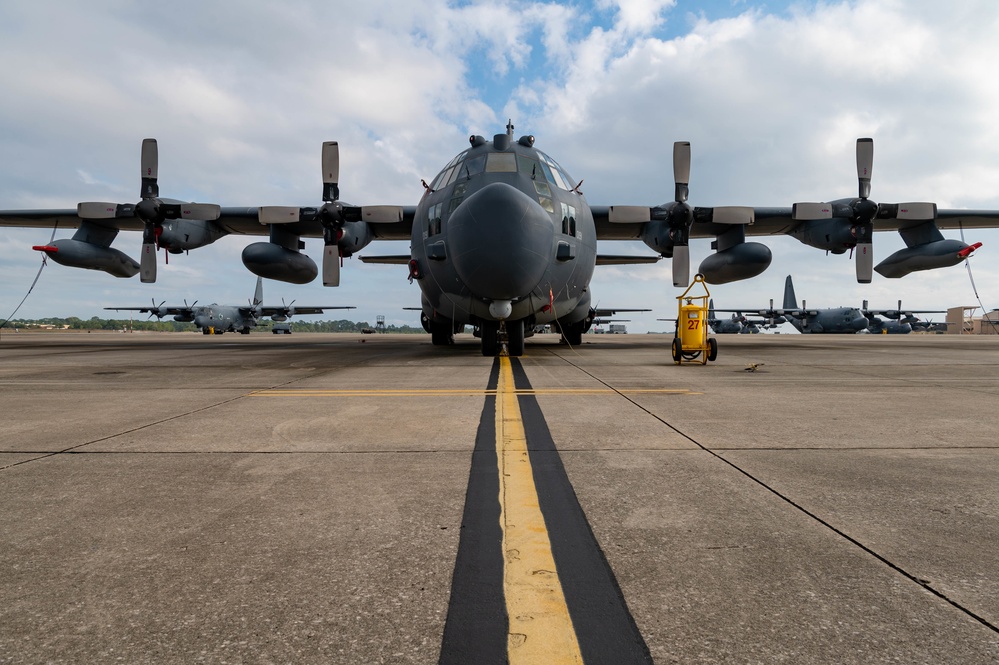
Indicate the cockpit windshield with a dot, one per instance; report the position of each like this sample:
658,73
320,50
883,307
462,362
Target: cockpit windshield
544,167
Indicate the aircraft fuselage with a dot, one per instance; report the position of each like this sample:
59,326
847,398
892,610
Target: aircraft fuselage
503,235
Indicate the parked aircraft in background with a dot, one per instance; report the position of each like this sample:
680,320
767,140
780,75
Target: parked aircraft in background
503,238
739,324
849,320
218,319
899,321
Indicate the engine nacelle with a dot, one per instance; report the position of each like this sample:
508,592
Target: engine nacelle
939,254
740,261
184,318
80,254
183,234
272,261
356,236
656,237
832,235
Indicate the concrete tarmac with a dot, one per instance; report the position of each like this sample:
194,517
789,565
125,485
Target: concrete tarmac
270,499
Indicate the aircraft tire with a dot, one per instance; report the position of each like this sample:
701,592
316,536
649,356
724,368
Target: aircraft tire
677,351
712,349
572,334
440,333
515,337
490,338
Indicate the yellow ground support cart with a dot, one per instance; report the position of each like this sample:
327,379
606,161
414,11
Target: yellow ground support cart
690,341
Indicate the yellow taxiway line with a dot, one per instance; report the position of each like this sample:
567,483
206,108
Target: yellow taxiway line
471,392
541,629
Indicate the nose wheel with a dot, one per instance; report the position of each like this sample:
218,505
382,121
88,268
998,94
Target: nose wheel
502,338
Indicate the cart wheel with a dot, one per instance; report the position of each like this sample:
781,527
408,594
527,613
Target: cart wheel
677,350
712,349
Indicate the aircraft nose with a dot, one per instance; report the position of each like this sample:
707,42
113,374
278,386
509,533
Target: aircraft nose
501,241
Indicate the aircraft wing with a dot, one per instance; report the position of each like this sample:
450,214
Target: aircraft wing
622,260
605,311
237,220
292,310
397,259
773,221
769,313
162,310
897,313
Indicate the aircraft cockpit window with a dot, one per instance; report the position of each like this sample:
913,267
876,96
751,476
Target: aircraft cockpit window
528,167
554,172
568,220
452,173
475,165
501,162
544,195
456,196
434,219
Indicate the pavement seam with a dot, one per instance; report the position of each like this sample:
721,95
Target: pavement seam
895,567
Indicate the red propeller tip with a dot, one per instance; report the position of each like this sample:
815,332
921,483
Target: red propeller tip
45,248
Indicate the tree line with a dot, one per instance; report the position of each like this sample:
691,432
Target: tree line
263,325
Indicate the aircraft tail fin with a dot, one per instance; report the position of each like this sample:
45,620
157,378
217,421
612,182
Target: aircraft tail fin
711,309
790,301
258,294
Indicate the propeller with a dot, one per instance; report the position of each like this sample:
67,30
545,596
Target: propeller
156,310
150,209
681,215
332,215
862,211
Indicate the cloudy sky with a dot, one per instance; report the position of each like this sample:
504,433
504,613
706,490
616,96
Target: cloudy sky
240,95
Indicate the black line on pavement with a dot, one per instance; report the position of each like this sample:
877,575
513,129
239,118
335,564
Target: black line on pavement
604,627
477,624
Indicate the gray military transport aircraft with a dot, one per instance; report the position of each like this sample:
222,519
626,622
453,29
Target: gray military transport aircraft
848,320
738,323
503,238
217,319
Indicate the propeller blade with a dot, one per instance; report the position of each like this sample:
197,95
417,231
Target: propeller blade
97,210
865,165
917,211
807,211
681,170
331,171
149,162
331,265
865,262
147,263
629,214
381,214
681,265
733,215
278,214
200,211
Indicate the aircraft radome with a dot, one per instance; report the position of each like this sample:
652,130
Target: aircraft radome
503,238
